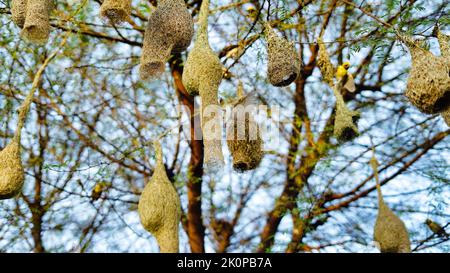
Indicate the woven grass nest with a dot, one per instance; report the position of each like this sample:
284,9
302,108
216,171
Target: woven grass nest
390,232
170,29
283,61
444,44
243,136
19,12
159,207
11,171
116,11
36,28
428,86
202,76
346,120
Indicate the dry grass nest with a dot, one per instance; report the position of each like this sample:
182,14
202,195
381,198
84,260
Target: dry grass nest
159,207
19,12
283,61
11,171
36,27
170,29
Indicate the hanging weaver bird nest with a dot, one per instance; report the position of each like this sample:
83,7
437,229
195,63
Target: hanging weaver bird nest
19,11
345,123
390,232
170,29
202,75
36,28
428,86
116,11
325,65
284,63
11,171
243,135
159,207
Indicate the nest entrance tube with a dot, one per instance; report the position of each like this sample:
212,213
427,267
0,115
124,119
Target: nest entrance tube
159,207
19,12
170,29
283,65
116,11
428,86
390,232
243,135
36,27
202,76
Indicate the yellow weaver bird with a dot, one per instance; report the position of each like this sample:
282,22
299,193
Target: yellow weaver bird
346,78
436,228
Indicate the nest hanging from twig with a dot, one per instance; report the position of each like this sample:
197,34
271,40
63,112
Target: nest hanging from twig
11,171
390,232
243,135
116,11
202,76
169,30
283,61
18,12
323,62
36,28
428,86
159,207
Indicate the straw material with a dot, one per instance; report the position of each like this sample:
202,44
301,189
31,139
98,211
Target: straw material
19,11
284,63
159,207
323,62
202,76
11,171
243,136
428,86
37,22
116,11
446,116
170,29
390,232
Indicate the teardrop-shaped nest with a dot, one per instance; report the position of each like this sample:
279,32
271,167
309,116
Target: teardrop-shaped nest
116,11
428,86
345,124
12,175
202,68
159,208
390,232
444,45
243,133
283,61
36,28
170,29
18,12
325,65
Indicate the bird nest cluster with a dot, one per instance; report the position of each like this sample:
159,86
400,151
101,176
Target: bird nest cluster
116,11
283,60
428,86
202,76
170,29
159,207
11,171
34,18
244,137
